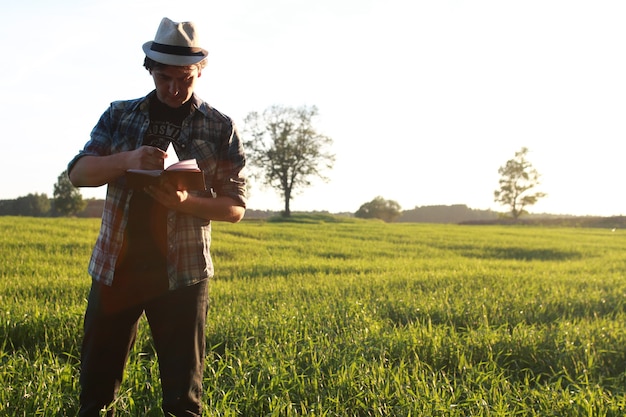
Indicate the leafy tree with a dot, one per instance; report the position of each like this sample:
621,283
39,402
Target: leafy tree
379,208
67,199
285,150
517,178
7,207
36,205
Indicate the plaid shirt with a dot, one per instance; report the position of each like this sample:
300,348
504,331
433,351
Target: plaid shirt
208,136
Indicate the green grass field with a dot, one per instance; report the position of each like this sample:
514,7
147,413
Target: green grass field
323,317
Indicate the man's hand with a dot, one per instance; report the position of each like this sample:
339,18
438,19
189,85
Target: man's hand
94,171
210,208
146,157
168,195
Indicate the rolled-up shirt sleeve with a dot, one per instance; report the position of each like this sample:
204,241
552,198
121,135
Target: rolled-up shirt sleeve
230,178
98,145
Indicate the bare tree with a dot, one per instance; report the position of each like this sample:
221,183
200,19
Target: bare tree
285,150
517,178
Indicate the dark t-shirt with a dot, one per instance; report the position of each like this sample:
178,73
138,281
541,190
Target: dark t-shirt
143,261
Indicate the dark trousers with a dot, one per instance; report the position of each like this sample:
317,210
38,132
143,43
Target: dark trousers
177,321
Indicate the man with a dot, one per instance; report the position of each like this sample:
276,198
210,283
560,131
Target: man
152,253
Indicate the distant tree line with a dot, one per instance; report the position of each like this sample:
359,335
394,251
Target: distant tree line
39,205
35,205
66,201
457,213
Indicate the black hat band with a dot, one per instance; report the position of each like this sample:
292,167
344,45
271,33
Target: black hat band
176,50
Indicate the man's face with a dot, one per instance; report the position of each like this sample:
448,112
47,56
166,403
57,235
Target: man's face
175,85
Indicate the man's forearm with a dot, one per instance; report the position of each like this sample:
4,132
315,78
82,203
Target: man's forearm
94,171
223,209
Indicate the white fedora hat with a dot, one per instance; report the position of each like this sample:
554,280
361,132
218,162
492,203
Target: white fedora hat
175,44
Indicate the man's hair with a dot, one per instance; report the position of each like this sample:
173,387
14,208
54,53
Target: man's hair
150,64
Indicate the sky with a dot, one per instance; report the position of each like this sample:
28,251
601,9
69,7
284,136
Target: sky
424,100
